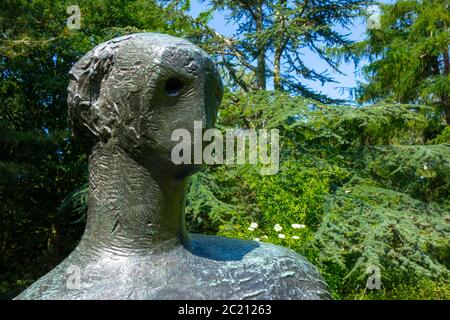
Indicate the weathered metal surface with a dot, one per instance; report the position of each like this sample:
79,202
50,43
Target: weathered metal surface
126,97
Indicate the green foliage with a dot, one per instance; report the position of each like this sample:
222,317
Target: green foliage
291,197
292,193
288,29
420,170
365,184
368,226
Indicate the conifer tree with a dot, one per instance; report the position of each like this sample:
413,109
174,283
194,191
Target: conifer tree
409,55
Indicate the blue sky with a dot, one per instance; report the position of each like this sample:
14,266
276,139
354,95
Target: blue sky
347,80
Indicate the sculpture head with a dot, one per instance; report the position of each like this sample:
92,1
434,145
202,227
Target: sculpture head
134,91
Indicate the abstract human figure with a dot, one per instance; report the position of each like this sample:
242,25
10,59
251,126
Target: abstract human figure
126,96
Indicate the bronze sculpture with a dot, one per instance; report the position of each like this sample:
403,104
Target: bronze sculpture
126,96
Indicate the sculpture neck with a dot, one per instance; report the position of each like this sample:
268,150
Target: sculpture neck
131,207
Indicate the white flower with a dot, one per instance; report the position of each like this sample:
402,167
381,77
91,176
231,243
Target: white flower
347,191
278,228
298,226
253,225
265,237
281,236
256,239
295,237
251,229
425,167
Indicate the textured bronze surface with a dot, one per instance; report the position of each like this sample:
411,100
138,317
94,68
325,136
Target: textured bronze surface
126,96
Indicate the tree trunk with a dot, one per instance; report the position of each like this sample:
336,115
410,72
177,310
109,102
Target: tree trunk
261,55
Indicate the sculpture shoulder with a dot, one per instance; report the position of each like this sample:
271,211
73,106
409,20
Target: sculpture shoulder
278,272
50,286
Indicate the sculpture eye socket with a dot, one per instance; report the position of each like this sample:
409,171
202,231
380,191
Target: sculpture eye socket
173,86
